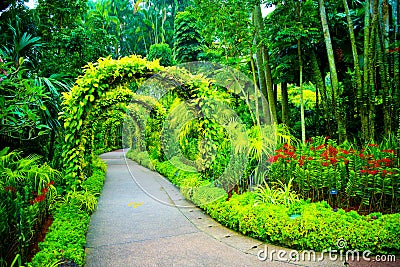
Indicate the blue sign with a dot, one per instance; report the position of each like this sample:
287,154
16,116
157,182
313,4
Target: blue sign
333,192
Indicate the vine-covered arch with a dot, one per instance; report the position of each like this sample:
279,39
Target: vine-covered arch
144,85
104,83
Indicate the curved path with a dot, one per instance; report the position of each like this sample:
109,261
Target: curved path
138,223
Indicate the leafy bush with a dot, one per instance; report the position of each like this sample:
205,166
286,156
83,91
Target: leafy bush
162,52
316,228
66,238
189,185
205,194
141,157
84,200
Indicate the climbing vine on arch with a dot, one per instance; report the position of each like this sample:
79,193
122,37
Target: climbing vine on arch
104,83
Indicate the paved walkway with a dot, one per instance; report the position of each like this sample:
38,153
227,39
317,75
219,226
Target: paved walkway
138,222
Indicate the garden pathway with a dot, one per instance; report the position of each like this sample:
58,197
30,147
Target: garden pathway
139,222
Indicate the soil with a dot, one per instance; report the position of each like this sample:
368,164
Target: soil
39,238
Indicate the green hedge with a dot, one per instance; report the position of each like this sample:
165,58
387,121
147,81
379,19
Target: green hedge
141,157
66,238
317,228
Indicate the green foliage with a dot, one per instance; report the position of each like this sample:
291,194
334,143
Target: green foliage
309,96
22,104
187,41
83,200
207,193
161,52
66,238
280,194
141,157
27,195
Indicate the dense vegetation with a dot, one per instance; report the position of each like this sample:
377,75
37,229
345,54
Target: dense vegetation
322,140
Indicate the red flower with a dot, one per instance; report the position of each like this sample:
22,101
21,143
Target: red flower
288,147
320,147
389,151
325,164
45,190
363,171
51,183
374,172
373,145
310,158
344,151
273,159
386,160
301,163
346,161
333,160
39,199
288,160
10,188
289,153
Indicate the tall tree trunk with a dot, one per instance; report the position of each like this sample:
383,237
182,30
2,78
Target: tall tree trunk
354,51
259,59
302,117
253,70
259,27
320,84
285,103
342,132
384,62
366,86
371,75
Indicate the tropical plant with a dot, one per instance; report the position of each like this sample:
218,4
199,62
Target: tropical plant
278,193
27,194
187,39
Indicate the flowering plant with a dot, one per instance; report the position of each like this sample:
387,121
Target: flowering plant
366,179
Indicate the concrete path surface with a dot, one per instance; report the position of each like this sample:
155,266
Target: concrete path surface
143,220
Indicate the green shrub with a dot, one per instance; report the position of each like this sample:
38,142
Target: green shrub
207,193
28,194
189,185
66,238
142,158
94,183
84,200
162,52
